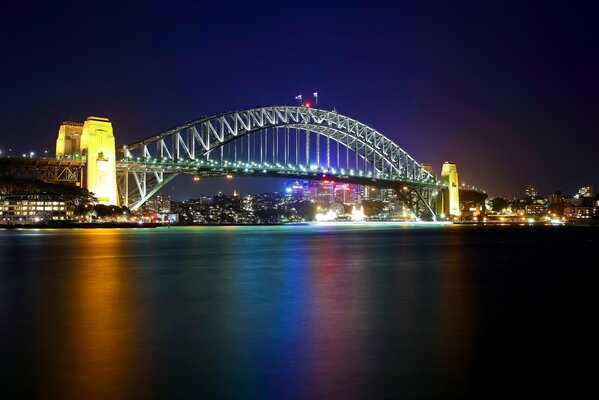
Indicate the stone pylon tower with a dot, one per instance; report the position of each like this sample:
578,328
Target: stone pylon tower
92,141
451,195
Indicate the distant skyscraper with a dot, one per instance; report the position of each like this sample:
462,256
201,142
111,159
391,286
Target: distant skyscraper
346,193
531,191
299,190
324,191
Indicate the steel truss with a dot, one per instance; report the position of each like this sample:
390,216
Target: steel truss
283,138
49,170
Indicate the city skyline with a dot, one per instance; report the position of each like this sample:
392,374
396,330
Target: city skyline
493,87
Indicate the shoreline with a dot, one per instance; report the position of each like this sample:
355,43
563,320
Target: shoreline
136,225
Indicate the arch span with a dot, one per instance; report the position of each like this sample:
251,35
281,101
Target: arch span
290,139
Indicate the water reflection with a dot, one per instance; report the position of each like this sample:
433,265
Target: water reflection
93,353
247,312
338,320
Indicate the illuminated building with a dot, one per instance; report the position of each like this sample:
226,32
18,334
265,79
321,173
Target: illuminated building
586,191
94,142
450,197
32,208
346,193
299,190
531,191
365,192
535,209
578,212
159,204
324,191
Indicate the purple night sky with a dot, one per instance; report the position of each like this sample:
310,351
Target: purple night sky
507,90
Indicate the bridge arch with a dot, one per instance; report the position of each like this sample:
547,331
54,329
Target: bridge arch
302,134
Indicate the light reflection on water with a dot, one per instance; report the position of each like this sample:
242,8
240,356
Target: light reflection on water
315,311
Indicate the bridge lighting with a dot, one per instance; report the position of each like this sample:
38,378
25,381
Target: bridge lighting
307,104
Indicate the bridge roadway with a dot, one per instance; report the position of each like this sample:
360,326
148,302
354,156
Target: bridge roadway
275,141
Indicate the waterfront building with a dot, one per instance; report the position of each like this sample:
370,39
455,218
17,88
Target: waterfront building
575,212
34,208
535,209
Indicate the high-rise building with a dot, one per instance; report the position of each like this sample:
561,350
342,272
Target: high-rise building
347,194
324,191
531,192
298,190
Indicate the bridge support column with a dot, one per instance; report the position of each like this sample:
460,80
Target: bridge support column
419,201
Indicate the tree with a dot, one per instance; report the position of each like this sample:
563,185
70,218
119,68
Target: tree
373,207
498,204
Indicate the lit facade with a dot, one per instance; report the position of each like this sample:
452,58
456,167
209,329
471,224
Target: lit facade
34,208
69,139
160,204
94,142
347,194
535,209
324,191
578,212
451,196
586,191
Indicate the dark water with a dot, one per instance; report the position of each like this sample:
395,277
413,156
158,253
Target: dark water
305,312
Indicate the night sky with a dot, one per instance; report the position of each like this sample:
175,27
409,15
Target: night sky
507,90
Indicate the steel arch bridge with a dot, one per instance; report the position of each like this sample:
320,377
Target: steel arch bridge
275,141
